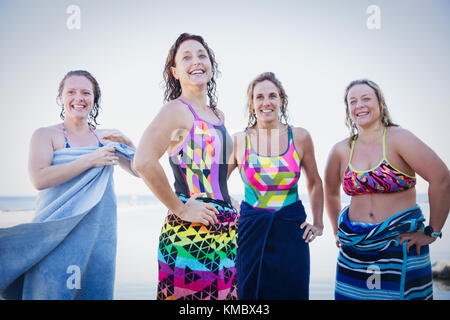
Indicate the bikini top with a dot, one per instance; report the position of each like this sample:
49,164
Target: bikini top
67,139
384,178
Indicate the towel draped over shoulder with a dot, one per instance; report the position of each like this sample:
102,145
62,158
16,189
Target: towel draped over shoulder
68,251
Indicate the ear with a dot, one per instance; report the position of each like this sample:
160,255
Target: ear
174,72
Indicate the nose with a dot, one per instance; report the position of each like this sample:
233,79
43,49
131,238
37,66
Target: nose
195,60
359,103
79,96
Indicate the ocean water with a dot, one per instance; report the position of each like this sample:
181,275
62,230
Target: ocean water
140,219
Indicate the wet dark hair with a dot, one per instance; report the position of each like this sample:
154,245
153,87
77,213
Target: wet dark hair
270,76
92,119
172,85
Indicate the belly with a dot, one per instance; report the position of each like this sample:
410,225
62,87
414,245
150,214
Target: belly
377,207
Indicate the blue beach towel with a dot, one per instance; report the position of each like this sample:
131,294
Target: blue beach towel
69,250
373,266
272,257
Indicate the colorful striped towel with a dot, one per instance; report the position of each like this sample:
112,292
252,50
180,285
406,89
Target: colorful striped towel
373,266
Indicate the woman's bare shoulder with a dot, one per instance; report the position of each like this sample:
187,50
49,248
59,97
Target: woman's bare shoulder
341,148
47,132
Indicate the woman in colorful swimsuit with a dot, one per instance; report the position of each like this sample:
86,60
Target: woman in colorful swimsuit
382,236
273,251
197,245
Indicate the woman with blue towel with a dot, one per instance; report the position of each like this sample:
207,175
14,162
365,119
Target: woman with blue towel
273,260
69,250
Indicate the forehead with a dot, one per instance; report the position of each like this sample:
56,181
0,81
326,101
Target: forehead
265,86
359,90
78,82
190,46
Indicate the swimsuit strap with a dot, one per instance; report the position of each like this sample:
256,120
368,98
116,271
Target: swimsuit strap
93,131
190,107
290,135
351,152
353,147
384,144
66,138
200,119
249,145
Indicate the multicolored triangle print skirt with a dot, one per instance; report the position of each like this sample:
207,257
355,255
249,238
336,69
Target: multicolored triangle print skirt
197,262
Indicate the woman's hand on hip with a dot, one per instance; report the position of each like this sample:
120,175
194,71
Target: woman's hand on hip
310,232
418,238
196,211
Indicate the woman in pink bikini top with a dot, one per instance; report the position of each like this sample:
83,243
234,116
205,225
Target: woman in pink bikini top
376,168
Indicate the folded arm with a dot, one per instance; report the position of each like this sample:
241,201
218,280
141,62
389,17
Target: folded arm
45,175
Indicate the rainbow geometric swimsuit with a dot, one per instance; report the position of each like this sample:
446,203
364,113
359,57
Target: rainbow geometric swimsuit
272,258
197,261
271,182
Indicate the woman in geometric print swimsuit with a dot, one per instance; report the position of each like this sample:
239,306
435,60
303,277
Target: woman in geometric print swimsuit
382,220
273,242
197,244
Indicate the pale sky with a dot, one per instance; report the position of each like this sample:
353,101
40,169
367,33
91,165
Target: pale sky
314,47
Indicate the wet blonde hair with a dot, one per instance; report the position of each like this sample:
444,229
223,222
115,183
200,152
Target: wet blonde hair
386,119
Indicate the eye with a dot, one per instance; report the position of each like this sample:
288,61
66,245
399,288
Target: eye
353,102
186,58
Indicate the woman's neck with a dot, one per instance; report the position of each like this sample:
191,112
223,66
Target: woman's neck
195,97
269,126
370,134
77,126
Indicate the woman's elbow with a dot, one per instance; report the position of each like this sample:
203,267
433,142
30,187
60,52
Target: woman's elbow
315,184
138,166
441,181
142,166
446,181
39,184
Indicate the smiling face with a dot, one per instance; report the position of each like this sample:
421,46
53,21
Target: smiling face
192,64
77,97
266,101
363,105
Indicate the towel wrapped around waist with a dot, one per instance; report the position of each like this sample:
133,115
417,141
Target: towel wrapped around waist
373,266
69,250
272,257
195,261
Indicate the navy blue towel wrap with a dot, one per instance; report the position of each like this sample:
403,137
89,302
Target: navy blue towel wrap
272,257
